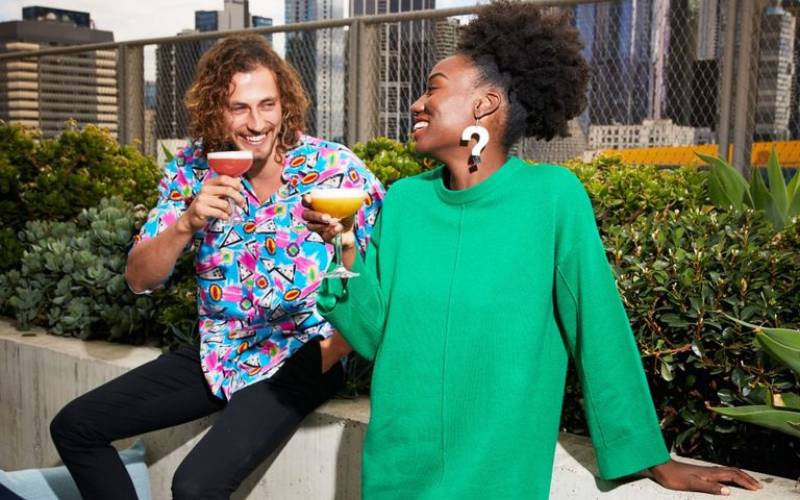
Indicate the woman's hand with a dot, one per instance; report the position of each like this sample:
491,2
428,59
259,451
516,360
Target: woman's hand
212,202
328,227
676,475
333,349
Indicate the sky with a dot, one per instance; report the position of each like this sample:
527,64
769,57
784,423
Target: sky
130,20
158,18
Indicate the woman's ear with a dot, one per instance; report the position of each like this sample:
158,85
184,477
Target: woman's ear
487,104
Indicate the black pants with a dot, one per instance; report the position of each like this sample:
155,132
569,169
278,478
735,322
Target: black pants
171,390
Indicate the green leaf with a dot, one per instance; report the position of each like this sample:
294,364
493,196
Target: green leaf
793,193
788,400
777,185
764,416
782,343
666,371
726,185
788,355
762,198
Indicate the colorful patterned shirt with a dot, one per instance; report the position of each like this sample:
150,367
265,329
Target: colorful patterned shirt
257,281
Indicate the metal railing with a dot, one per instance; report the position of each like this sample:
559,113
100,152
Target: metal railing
665,75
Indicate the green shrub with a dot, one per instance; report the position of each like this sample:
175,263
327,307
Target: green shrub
55,179
71,277
678,272
623,193
389,160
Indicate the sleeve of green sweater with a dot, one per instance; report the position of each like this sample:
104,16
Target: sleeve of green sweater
619,408
355,307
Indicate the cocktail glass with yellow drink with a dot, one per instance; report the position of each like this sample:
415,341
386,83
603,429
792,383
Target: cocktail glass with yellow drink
234,164
339,203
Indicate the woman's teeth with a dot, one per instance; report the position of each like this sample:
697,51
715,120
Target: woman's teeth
420,125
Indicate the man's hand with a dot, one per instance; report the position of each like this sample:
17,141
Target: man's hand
333,349
676,475
212,202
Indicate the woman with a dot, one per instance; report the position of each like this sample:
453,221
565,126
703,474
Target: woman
483,277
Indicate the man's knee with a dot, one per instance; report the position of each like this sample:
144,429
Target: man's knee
186,486
71,425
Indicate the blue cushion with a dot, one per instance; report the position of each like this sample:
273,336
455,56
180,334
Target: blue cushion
55,483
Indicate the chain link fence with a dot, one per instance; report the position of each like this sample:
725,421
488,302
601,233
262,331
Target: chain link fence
669,78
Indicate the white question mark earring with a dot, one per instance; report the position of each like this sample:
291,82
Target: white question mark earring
483,140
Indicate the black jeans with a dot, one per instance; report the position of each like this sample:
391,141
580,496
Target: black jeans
171,390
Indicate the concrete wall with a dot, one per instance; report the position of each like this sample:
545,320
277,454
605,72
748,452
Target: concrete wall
39,373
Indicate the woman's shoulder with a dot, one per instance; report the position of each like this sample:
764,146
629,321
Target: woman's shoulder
555,179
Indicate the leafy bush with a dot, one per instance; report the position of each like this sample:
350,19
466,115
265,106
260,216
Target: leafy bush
71,277
678,271
71,280
55,179
622,193
389,160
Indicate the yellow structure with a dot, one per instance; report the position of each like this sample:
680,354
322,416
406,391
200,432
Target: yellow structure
788,154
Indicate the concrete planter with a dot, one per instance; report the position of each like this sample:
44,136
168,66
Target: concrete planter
40,373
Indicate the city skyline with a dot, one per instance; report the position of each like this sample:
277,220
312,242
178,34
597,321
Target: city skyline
670,58
133,21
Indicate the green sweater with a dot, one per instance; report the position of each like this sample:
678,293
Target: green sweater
470,303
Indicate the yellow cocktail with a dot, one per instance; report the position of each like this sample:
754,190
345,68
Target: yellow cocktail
338,203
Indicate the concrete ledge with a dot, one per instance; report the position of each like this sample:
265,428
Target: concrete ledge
40,373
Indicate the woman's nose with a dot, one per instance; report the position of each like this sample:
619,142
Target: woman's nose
417,106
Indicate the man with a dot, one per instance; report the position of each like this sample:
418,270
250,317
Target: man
266,358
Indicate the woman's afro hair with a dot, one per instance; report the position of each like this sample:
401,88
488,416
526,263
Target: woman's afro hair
534,55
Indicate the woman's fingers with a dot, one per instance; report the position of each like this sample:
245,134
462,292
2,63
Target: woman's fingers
733,476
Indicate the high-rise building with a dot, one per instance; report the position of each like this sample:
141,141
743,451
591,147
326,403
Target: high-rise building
234,16
206,20
175,65
318,56
679,72
621,53
660,52
47,91
407,53
793,7
708,32
446,37
258,21
76,18
776,74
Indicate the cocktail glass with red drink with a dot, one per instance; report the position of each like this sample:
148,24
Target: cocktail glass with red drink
234,164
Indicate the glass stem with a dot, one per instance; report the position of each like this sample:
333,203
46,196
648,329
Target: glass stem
337,248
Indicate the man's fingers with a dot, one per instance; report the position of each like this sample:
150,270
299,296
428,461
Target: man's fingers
226,180
225,192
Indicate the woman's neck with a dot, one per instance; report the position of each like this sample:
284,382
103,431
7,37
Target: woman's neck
460,176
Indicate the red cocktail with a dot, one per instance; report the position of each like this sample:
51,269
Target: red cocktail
234,164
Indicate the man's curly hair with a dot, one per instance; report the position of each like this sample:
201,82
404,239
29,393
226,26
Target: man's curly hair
534,55
208,96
